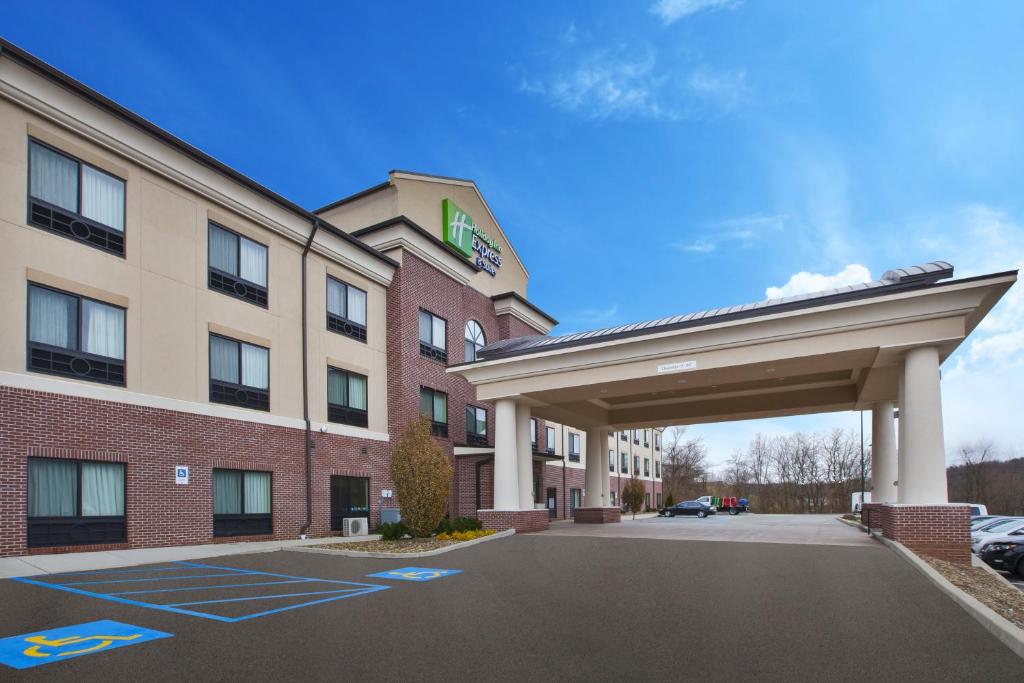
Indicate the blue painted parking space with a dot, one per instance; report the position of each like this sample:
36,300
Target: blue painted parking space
418,574
208,591
58,644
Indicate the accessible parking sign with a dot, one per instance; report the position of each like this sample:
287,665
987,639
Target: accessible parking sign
55,645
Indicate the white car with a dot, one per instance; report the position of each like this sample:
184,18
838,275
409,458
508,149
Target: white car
994,530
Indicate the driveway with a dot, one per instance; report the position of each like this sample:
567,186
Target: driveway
745,528
541,606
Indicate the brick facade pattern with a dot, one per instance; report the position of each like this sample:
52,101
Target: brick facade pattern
940,531
598,516
151,442
523,521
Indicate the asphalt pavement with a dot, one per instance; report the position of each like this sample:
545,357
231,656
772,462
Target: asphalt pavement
535,607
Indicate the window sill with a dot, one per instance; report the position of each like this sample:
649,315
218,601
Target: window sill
239,395
55,360
346,328
237,288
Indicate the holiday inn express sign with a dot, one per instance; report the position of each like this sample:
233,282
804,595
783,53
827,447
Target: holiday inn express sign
462,233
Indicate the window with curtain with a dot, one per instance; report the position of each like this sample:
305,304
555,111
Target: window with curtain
476,426
636,464
346,397
647,467
75,336
574,447
533,432
611,460
475,339
346,309
237,265
67,183
624,463
239,373
550,440
241,502
434,404
433,331
75,501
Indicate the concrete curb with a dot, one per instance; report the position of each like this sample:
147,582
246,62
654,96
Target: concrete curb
1001,628
397,556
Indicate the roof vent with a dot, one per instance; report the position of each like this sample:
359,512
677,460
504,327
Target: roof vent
927,273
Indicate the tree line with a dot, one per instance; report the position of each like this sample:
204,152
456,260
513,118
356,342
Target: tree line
819,472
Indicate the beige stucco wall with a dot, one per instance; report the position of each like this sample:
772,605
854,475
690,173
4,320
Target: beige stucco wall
162,280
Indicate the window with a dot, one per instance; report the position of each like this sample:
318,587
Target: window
574,447
475,339
238,265
72,502
74,336
624,463
241,503
647,438
76,200
613,498
434,404
636,436
533,433
346,309
647,501
611,460
659,501
657,469
624,436
239,373
350,497
346,397
647,467
476,426
433,331
636,464
657,440
549,444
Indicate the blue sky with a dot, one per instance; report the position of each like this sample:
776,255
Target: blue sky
646,158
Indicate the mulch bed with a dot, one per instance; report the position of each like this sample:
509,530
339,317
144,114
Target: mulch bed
406,545
993,592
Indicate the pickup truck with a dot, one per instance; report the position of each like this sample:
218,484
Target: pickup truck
730,504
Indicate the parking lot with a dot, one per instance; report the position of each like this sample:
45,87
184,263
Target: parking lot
531,606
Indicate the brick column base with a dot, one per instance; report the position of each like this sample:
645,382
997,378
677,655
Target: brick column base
940,531
871,515
598,515
523,521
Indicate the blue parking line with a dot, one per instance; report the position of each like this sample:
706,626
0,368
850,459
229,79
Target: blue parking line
206,588
261,597
121,571
158,578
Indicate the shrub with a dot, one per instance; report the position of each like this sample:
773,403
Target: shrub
423,478
469,535
633,495
670,500
391,531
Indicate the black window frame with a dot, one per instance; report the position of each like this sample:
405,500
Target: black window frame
60,221
636,464
467,343
574,456
657,469
474,438
647,438
429,349
243,524
237,286
346,414
62,362
338,514
611,459
624,462
636,437
549,438
624,436
78,529
647,467
438,429
241,395
342,324
533,433
657,440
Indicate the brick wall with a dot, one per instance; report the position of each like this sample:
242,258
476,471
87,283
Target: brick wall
151,442
523,521
941,531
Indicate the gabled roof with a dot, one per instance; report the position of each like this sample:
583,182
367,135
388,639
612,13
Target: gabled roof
897,280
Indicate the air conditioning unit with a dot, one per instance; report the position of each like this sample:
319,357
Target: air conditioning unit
354,526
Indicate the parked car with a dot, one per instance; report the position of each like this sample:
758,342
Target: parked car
984,520
688,507
1001,528
1005,553
730,504
978,510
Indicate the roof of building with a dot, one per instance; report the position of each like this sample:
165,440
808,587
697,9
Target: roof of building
32,62
897,280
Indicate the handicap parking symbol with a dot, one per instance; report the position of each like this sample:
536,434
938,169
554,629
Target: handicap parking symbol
415,574
55,645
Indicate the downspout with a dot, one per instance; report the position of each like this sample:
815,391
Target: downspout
305,390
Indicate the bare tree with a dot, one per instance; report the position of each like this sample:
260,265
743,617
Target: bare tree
683,462
974,457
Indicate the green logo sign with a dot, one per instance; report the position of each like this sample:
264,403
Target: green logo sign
462,233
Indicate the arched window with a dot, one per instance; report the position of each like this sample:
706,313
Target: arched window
474,339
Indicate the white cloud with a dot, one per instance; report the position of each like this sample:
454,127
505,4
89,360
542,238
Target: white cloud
743,231
671,11
806,283
697,247
726,89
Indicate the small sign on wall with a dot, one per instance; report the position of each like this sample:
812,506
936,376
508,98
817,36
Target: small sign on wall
385,493
181,474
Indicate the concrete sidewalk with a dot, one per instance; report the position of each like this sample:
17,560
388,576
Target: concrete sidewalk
33,565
